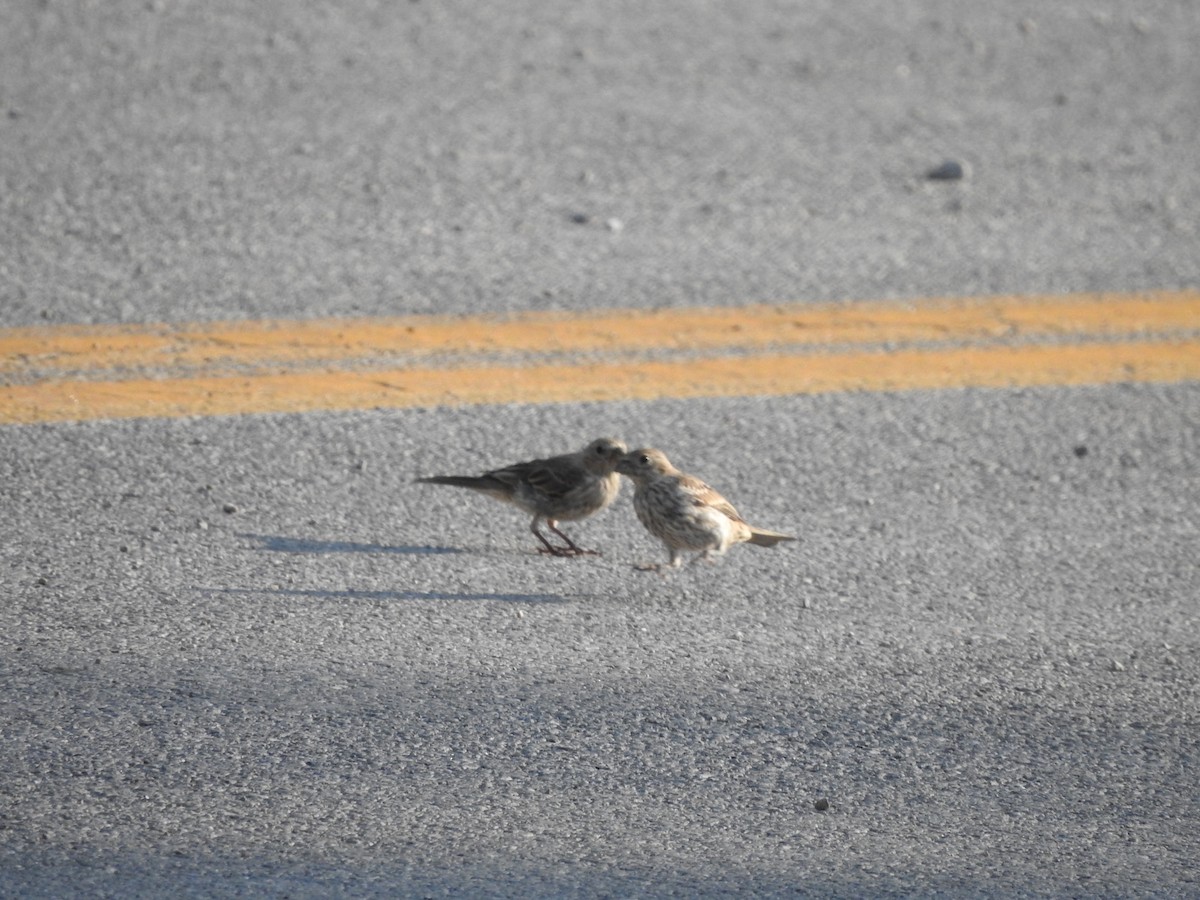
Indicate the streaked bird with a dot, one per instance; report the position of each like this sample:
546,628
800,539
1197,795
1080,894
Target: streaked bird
684,512
559,489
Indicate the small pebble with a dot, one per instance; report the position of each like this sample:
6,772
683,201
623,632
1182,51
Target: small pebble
950,170
229,508
1081,451
614,225
821,805
580,218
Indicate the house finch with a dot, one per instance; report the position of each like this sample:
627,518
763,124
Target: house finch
684,512
569,487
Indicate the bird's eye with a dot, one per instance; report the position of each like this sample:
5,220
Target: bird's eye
599,449
644,459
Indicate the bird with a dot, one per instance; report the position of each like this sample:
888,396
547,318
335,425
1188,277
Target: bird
684,512
568,488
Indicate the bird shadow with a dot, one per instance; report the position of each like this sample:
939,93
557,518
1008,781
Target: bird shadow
281,544
353,595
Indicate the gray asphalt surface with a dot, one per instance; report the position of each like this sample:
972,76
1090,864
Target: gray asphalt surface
168,161
246,656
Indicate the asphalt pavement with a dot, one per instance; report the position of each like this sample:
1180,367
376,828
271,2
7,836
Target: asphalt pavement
247,656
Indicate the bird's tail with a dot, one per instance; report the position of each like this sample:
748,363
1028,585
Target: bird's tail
474,482
765,538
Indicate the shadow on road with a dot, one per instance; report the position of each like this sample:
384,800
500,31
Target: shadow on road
281,544
390,595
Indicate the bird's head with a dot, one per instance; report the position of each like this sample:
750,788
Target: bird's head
645,463
603,454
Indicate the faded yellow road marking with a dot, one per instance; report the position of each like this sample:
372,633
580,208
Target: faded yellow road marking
215,346
719,377
80,372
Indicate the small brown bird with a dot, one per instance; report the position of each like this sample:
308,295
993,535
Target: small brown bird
684,512
562,488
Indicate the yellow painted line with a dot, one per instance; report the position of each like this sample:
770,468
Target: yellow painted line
94,372
87,351
994,366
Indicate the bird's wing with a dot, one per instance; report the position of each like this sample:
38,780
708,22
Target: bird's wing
552,477
703,495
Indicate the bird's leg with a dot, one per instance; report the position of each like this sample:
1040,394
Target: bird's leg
548,547
571,545
663,568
